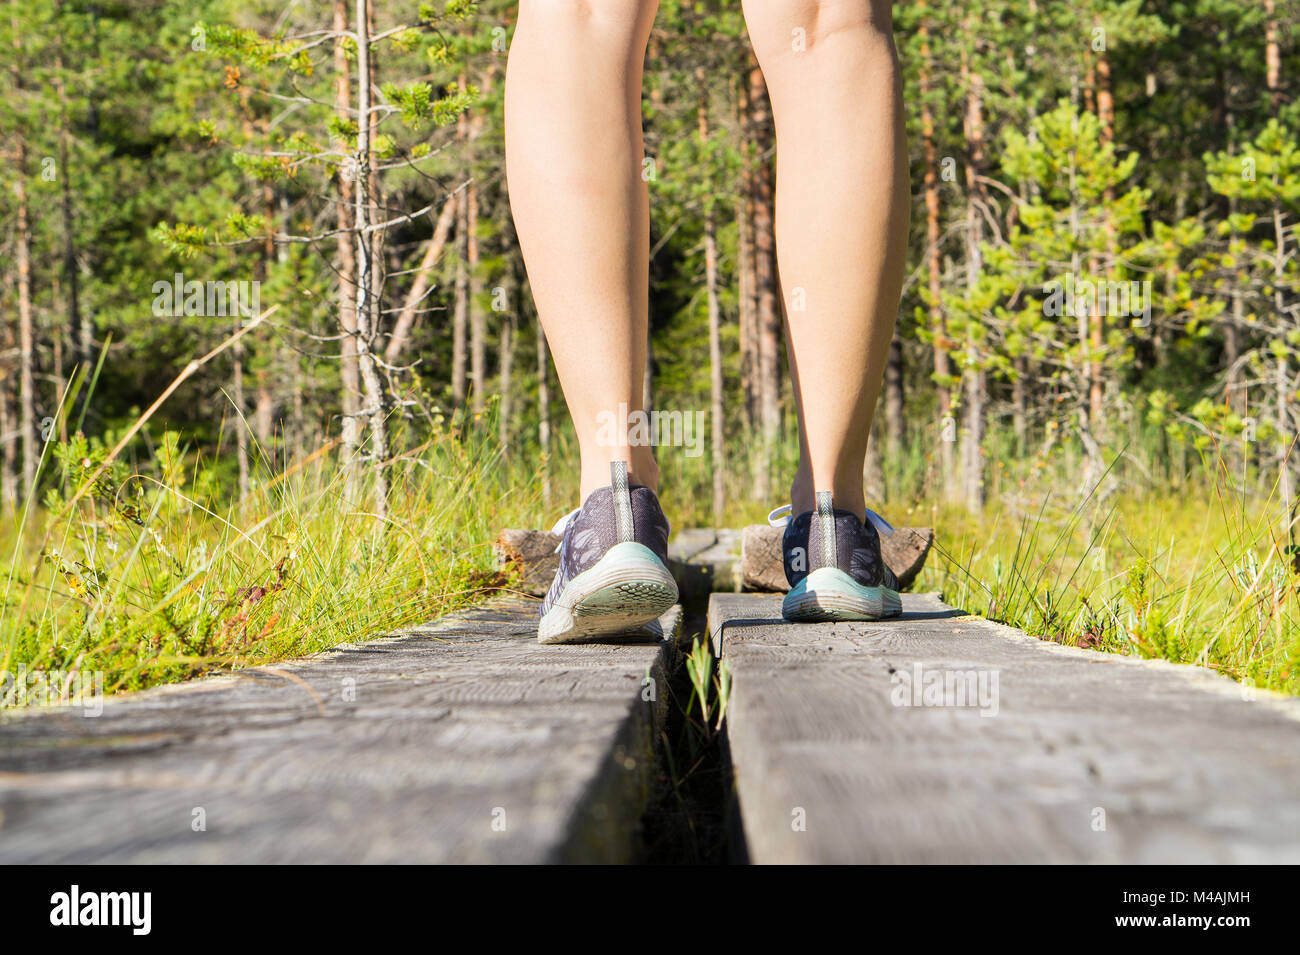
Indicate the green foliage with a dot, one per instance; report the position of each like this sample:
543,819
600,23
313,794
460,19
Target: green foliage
152,577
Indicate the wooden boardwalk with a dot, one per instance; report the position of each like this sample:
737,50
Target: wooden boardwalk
932,738
943,738
462,741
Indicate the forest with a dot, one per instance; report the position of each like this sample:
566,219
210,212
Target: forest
271,376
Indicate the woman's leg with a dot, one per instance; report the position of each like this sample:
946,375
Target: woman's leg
574,155
842,203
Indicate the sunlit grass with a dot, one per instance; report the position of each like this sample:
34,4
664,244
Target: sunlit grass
1191,571
1193,577
154,577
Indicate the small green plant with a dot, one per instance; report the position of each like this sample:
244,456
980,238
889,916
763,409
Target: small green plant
699,668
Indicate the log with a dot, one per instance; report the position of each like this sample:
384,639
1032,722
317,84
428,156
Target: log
761,567
704,562
532,554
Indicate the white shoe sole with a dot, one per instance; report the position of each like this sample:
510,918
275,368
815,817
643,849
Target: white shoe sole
830,594
622,596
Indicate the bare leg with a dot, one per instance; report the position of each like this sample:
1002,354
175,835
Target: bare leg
574,151
841,220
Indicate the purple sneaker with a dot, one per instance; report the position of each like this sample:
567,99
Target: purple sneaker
834,566
613,579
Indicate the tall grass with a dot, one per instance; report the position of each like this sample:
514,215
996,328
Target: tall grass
154,575
1192,578
1160,562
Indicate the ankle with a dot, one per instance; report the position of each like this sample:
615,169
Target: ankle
846,494
641,469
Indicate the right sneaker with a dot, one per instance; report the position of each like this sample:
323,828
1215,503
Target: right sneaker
613,580
834,566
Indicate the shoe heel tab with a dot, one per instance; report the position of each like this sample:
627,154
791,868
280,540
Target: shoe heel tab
826,529
623,523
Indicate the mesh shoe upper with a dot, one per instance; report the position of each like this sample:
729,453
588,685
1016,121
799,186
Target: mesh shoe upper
857,550
594,530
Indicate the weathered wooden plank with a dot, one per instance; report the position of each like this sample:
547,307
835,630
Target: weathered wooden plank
1082,756
703,562
761,566
685,544
460,741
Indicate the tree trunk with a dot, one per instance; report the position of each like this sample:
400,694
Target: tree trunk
79,332
505,384
894,398
716,410
934,272
477,320
748,305
8,436
873,466
367,311
544,412
975,398
264,409
413,305
973,377
765,282
349,367
26,321
648,378
237,419
748,308
1282,380
1272,56
9,431
1097,331
378,237
460,318
1234,393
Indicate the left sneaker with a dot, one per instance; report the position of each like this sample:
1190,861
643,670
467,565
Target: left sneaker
613,580
834,565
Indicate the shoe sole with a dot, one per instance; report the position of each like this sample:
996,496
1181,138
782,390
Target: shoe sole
830,594
623,595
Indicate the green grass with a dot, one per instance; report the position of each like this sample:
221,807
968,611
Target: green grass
1172,567
1194,576
150,579
154,576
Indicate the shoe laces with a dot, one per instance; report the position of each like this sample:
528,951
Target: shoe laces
563,523
781,516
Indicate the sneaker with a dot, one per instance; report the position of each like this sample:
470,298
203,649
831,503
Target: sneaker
834,565
613,578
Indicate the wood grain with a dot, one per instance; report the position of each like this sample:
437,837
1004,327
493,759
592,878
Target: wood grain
403,749
1175,763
